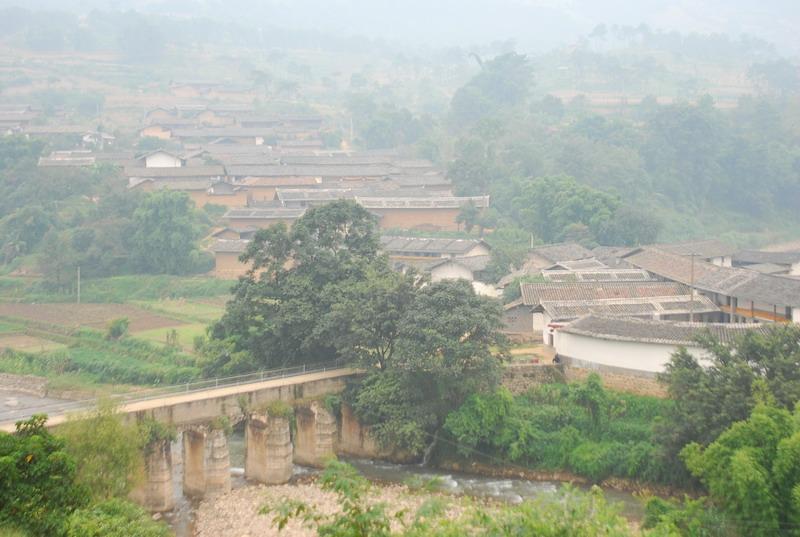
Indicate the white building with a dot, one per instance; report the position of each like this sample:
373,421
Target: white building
636,346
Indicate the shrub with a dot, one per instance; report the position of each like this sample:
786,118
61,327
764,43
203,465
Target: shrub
117,328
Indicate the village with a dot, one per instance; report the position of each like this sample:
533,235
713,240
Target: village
357,268
623,310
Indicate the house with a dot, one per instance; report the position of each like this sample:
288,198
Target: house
542,257
787,263
227,252
162,159
268,188
77,158
422,248
556,313
744,295
323,173
235,135
202,192
461,268
308,197
424,214
713,251
211,173
520,313
638,347
262,217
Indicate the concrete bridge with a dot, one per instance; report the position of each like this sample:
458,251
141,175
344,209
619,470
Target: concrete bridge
271,446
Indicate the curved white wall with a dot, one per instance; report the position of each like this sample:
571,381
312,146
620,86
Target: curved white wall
649,357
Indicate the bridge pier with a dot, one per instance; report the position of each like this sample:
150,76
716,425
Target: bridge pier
156,493
315,440
206,462
268,449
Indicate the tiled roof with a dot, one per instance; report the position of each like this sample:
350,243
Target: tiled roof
412,245
266,213
565,251
664,332
433,202
740,283
279,181
474,263
535,293
183,171
761,257
627,307
310,171
605,275
768,268
588,263
705,249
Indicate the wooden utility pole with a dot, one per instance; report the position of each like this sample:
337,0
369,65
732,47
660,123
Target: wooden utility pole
79,284
691,291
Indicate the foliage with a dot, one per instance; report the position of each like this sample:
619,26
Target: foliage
117,328
98,360
502,83
443,355
580,427
280,409
752,470
114,518
278,311
106,450
709,398
38,488
166,227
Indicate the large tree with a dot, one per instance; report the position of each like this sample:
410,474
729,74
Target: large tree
448,347
165,233
708,399
282,312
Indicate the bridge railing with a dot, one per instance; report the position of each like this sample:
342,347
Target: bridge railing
62,407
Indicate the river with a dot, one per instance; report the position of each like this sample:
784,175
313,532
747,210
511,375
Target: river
510,490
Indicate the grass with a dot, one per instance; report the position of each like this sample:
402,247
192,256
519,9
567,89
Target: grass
90,360
118,289
186,335
9,327
184,310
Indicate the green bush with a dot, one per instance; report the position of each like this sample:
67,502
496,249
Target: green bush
583,428
114,518
117,328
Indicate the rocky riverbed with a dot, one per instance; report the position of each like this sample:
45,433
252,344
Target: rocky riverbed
236,514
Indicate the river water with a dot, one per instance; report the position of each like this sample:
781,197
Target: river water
509,490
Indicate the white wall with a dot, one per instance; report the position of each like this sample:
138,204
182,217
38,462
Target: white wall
796,315
450,271
478,249
650,357
795,269
162,160
538,322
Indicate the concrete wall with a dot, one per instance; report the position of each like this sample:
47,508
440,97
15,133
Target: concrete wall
355,440
268,449
629,355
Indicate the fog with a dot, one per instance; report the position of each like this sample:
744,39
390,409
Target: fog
533,24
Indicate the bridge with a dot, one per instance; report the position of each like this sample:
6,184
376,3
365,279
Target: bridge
202,400
194,409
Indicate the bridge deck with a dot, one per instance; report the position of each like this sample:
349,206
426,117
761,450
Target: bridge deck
58,417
